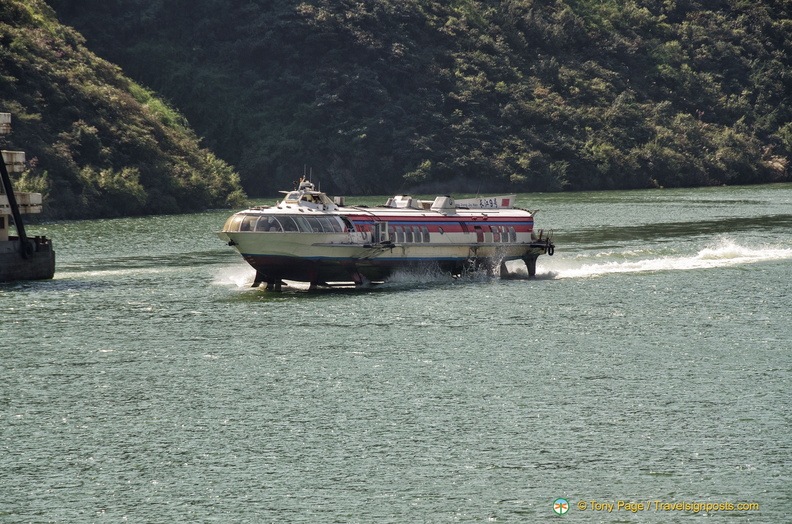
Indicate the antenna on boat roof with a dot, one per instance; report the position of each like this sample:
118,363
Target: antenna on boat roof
307,173
310,178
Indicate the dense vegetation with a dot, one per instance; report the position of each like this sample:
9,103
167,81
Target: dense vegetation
98,143
382,95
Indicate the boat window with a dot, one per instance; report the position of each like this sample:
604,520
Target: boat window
323,225
316,225
408,234
329,224
232,224
289,224
303,224
263,224
425,233
399,234
334,223
269,224
349,226
324,199
479,233
293,197
248,223
495,233
512,234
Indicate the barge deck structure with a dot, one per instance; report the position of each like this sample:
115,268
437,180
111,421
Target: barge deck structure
21,257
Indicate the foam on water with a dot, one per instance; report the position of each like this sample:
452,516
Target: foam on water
422,274
724,253
239,275
112,273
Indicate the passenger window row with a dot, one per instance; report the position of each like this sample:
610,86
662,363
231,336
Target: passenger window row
409,234
502,234
285,223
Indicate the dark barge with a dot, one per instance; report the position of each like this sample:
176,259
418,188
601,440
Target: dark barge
21,257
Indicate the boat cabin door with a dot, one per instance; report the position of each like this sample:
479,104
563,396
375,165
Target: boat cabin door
379,232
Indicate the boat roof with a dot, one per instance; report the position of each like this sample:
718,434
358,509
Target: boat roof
306,199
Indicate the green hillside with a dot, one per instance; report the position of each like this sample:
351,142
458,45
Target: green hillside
382,95
99,144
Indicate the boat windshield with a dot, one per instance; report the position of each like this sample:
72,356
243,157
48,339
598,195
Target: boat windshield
287,224
311,197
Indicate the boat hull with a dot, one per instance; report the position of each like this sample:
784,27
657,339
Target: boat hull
38,263
340,258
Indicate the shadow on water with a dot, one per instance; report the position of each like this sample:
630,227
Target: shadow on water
405,282
293,293
605,235
56,285
299,290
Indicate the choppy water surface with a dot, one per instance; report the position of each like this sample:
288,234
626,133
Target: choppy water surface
649,361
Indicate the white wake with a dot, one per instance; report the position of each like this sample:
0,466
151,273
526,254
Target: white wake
725,253
238,275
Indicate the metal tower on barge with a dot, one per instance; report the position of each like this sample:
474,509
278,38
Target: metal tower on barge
21,257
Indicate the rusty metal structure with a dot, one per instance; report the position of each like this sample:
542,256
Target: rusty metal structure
21,257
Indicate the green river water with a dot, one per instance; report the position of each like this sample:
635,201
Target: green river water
650,362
